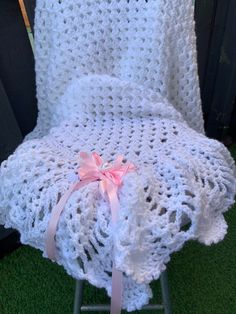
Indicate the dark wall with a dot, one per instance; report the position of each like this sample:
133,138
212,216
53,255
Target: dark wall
216,39
17,66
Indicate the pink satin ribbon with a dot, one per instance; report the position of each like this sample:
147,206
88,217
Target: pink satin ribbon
92,168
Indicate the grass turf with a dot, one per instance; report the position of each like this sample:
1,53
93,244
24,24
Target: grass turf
202,280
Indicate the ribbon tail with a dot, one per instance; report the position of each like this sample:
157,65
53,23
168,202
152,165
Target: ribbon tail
55,216
117,276
114,202
116,294
52,226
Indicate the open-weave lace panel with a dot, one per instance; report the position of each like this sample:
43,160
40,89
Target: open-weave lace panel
183,184
148,42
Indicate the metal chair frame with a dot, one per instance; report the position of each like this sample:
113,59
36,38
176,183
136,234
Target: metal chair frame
79,307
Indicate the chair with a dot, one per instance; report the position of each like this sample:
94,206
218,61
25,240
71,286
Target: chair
20,109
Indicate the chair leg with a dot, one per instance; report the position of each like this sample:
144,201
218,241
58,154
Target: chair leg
164,289
78,296
165,293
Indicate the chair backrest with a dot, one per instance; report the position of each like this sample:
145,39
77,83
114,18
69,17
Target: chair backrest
216,31
216,41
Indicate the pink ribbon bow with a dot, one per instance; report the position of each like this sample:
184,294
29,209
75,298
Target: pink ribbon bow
93,168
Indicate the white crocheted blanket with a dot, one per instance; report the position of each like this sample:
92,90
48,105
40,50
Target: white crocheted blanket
118,77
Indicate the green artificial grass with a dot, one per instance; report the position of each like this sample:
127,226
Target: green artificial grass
202,280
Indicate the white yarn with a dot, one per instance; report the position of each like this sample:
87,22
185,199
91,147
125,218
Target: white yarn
100,93
149,42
